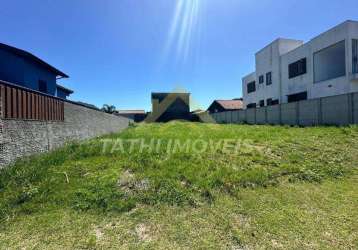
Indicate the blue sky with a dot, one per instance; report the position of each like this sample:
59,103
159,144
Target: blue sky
119,51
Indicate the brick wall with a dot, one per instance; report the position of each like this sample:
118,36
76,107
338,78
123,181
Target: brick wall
19,138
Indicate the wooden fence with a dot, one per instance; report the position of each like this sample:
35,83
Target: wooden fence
22,103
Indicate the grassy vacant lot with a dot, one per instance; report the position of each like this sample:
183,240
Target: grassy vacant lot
281,188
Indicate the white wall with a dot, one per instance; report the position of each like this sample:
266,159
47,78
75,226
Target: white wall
305,82
277,56
248,97
268,60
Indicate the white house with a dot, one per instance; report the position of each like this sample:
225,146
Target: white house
290,70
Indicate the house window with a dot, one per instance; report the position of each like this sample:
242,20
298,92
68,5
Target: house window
43,86
297,97
330,62
261,79
269,78
251,105
297,68
271,102
355,55
262,103
251,87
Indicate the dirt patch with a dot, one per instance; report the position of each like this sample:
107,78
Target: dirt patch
129,183
98,233
143,232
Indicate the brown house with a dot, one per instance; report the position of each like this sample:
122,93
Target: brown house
225,105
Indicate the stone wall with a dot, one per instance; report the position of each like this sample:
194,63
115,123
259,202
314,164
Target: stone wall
20,138
333,110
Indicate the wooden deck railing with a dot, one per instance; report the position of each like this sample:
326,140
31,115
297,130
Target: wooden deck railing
21,103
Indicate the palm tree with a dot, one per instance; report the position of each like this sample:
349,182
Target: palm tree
110,109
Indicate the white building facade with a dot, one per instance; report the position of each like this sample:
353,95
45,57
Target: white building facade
290,70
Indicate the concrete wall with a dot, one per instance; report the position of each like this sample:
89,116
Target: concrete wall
273,115
235,117
251,116
309,112
336,110
333,110
242,116
228,117
261,115
289,113
20,138
355,108
219,117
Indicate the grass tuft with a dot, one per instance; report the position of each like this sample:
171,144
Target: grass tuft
248,195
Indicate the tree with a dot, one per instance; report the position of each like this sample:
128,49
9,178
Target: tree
110,109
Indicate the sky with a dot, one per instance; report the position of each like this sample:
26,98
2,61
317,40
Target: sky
119,51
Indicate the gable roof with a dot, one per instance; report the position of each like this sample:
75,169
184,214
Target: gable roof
64,89
33,58
230,104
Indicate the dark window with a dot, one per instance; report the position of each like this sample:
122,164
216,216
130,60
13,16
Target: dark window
271,102
330,62
251,105
355,55
297,97
269,78
261,79
251,87
262,103
42,86
297,68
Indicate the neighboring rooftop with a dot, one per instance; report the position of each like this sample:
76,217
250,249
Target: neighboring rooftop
161,96
293,42
87,105
69,91
231,104
138,111
32,57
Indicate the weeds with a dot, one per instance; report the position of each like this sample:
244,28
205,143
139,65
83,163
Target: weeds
84,178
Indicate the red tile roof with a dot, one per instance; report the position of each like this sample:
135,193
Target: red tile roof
231,104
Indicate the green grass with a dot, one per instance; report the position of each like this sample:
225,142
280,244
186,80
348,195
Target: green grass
284,187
